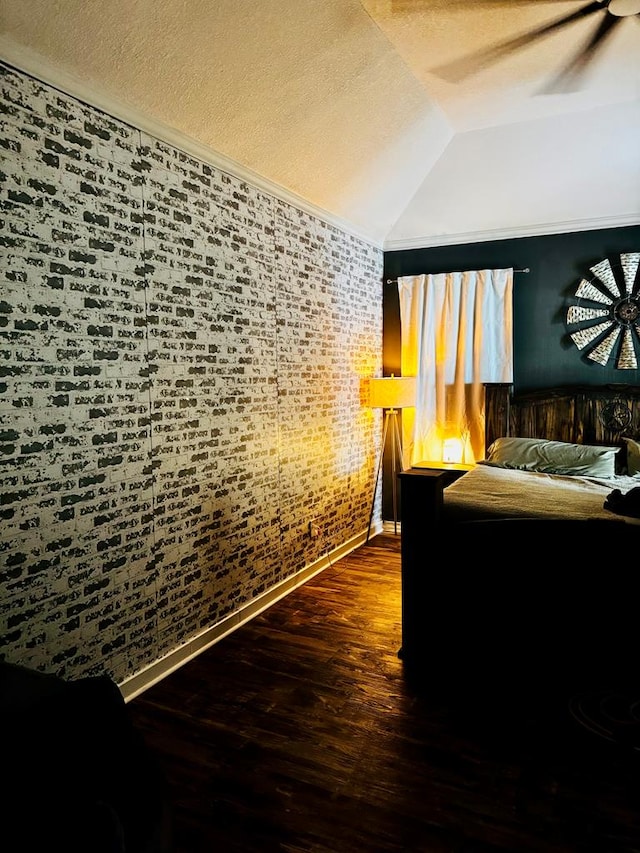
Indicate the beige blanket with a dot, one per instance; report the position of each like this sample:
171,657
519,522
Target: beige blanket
491,492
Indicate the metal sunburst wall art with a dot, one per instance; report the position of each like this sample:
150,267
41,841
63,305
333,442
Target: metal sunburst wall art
605,321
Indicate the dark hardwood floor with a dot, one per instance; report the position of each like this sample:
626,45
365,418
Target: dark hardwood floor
301,732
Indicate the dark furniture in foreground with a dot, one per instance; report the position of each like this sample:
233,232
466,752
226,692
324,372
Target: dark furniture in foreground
78,776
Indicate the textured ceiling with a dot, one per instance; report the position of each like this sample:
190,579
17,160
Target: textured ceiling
343,105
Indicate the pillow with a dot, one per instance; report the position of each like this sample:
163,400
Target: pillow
633,457
553,457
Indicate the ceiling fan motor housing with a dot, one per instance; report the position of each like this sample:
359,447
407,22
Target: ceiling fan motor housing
624,8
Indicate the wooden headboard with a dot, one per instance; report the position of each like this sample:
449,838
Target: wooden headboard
598,414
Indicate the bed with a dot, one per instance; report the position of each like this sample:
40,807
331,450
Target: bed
524,568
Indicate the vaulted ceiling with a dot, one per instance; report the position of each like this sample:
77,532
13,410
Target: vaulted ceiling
370,112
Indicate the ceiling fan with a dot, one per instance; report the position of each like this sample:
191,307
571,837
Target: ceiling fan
609,14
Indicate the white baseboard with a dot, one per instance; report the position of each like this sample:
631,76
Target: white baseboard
155,672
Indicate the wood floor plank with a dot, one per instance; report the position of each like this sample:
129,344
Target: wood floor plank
302,733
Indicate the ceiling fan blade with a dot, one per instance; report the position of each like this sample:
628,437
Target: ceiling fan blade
409,7
458,69
569,78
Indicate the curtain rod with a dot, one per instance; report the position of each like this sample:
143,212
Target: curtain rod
394,280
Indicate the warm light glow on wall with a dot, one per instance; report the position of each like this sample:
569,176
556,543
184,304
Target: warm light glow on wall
452,450
393,392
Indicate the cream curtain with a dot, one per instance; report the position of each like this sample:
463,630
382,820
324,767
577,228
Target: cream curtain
456,334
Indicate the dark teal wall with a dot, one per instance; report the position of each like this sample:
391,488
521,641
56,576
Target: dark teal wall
544,355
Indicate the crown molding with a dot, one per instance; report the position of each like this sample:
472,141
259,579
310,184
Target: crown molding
27,61
546,229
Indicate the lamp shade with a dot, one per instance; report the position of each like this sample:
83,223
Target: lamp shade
392,392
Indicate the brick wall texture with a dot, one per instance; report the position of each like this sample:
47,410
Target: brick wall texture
180,388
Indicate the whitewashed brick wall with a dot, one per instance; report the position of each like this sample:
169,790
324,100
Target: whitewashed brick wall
180,382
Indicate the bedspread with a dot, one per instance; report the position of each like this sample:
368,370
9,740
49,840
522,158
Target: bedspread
489,492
